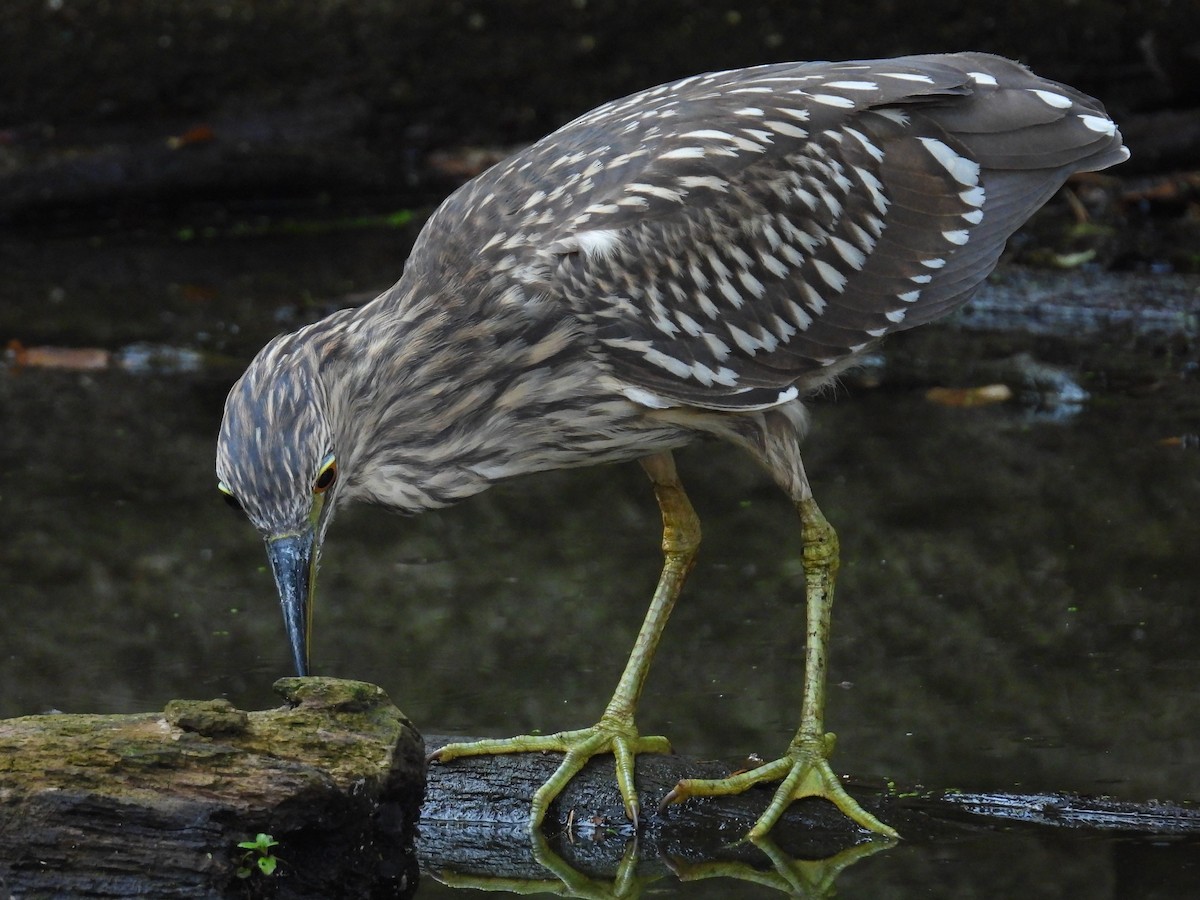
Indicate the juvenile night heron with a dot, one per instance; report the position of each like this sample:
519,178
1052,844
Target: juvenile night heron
692,260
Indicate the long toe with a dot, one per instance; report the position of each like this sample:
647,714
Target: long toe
803,772
618,738
810,775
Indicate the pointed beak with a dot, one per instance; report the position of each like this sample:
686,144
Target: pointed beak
294,563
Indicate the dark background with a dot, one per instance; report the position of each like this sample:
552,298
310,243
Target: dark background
108,102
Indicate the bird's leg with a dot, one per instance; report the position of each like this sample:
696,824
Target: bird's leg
804,769
616,731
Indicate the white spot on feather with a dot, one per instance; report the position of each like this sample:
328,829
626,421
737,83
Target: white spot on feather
598,244
831,202
830,275
672,364
729,292
982,78
961,169
690,325
897,116
806,197
865,141
847,251
853,85
714,134
643,397
1050,98
710,134
772,264
815,301
974,197
716,346
906,76
655,190
1099,124
833,100
745,340
786,129
799,315
752,284
783,329
874,186
800,115
711,182
683,153
708,376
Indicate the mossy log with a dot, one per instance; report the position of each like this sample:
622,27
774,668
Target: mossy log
156,804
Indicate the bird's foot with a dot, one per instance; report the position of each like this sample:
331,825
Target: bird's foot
804,879
609,735
567,881
803,772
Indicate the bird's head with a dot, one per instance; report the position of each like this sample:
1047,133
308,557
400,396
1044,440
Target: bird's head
277,462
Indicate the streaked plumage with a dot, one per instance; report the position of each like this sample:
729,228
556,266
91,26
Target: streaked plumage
695,258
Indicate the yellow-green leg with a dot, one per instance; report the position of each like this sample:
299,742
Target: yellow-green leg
616,732
804,769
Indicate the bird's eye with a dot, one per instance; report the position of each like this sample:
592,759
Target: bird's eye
326,476
231,501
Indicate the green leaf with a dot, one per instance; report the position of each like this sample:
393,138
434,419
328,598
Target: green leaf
267,865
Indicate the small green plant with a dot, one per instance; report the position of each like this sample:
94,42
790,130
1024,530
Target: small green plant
258,855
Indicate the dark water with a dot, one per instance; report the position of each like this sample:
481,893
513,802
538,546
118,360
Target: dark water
1017,610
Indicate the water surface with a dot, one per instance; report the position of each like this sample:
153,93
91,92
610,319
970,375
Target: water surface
1017,608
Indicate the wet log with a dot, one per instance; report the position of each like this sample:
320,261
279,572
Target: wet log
496,791
156,804
474,832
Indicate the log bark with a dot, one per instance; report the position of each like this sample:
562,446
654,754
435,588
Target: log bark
155,804
473,821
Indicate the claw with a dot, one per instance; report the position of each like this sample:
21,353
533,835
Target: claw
608,736
803,772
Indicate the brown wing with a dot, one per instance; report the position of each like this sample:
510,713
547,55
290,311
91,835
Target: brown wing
731,238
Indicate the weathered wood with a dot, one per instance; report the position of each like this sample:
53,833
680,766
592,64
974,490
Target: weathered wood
496,790
155,804
473,820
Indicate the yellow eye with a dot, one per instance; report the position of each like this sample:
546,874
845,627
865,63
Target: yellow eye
326,477
227,495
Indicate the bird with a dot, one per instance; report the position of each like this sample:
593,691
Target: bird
691,261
